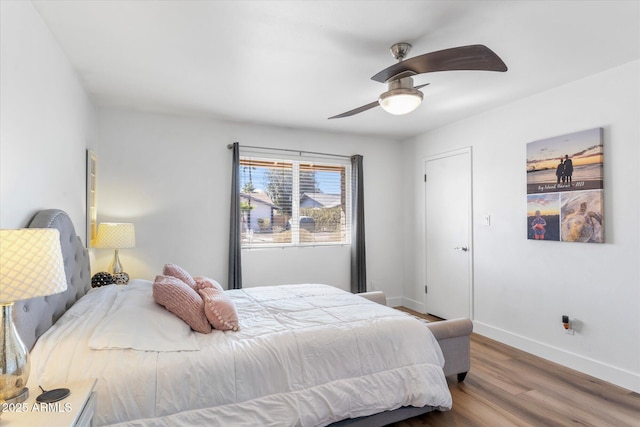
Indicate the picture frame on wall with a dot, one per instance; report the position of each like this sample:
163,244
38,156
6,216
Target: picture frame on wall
92,199
565,188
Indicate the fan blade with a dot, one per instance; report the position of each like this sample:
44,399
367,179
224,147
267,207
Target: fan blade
356,110
474,57
366,107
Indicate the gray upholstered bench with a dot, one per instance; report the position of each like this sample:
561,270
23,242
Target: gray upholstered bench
453,336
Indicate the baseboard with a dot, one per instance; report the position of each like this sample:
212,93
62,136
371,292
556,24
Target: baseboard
406,302
394,301
603,371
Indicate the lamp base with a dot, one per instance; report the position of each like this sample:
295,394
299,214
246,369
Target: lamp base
115,266
14,369
20,397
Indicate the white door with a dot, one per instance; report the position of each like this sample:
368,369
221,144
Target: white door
448,249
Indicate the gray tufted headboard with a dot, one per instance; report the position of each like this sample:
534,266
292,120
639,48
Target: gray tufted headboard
34,316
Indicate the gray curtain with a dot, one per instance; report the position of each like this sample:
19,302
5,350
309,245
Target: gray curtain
235,253
358,256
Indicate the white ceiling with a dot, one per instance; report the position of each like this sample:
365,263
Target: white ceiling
296,63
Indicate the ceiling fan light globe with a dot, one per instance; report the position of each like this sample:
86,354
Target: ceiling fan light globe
400,101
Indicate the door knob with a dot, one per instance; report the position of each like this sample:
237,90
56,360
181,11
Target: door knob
461,248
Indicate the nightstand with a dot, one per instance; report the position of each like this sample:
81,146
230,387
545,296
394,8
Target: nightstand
75,410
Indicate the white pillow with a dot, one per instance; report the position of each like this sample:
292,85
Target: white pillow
137,322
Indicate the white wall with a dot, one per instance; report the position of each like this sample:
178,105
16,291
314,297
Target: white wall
523,287
47,122
171,177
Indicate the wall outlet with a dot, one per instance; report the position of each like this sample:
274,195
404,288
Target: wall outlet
567,324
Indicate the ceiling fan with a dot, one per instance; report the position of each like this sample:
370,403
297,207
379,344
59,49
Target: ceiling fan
402,97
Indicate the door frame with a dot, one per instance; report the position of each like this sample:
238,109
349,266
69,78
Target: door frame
469,152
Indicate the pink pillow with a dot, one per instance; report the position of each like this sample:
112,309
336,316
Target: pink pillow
180,273
177,297
220,310
205,282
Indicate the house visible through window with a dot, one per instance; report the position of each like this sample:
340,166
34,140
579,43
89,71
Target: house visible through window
294,202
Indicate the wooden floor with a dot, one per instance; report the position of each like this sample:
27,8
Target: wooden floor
508,387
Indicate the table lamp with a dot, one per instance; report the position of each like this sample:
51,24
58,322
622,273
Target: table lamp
116,235
31,266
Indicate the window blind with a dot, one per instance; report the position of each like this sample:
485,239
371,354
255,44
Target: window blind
303,201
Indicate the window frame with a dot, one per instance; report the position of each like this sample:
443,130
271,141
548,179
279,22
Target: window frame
307,162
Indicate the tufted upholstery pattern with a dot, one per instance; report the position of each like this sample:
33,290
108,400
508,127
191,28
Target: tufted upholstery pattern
34,316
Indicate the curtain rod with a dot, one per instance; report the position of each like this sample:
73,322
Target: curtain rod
230,146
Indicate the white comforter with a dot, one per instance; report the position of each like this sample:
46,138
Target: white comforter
305,355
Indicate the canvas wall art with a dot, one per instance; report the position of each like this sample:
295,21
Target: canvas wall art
565,188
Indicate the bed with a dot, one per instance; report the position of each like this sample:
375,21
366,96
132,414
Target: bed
304,355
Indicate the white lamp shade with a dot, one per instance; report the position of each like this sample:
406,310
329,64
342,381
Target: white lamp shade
116,235
31,264
400,103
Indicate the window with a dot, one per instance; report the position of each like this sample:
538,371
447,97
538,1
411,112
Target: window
299,202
